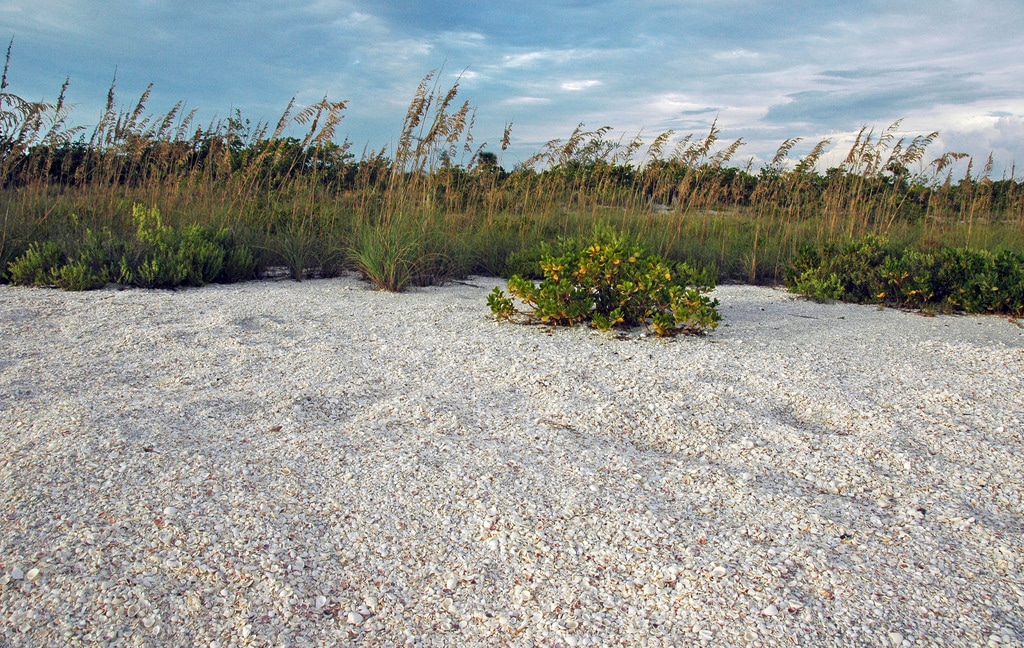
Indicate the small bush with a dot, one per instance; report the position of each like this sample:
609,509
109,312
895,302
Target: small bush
966,279
78,275
910,279
169,258
612,283
239,263
848,272
1008,268
36,266
158,257
199,252
85,268
155,263
527,263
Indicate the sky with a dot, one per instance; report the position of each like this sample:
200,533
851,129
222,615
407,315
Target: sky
763,71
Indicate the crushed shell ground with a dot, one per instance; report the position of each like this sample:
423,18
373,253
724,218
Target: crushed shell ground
319,464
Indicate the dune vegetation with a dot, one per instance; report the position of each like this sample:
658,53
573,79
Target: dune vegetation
160,200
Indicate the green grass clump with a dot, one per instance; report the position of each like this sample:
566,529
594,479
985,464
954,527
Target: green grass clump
871,270
611,282
391,255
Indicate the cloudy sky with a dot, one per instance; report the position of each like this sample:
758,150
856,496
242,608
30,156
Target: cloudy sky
766,70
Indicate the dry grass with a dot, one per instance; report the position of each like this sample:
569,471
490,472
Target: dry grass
440,204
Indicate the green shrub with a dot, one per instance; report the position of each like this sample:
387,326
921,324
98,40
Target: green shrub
818,285
1008,268
966,278
36,266
612,283
909,279
155,263
805,276
199,252
91,264
168,258
978,281
86,268
239,263
78,275
158,257
847,272
864,271
527,263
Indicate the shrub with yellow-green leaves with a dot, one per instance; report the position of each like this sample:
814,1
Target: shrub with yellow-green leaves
611,282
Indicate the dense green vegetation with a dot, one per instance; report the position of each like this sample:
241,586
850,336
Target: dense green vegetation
610,281
158,200
872,271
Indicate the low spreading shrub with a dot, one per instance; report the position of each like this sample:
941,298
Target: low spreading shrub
168,258
909,279
527,263
610,282
847,272
951,279
45,264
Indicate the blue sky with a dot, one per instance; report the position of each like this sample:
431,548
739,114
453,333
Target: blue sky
766,71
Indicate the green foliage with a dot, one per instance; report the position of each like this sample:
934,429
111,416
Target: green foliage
36,266
89,263
527,263
159,256
809,277
501,306
200,253
611,282
1008,272
978,281
867,271
846,272
77,275
910,279
196,255
169,258
44,264
967,279
239,262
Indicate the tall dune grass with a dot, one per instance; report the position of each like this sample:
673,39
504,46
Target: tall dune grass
440,205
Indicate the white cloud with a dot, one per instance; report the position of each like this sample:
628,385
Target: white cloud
524,59
526,101
576,86
461,39
357,20
737,55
